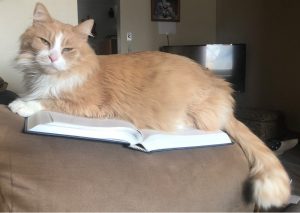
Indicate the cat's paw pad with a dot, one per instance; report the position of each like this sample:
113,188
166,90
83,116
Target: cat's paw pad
24,109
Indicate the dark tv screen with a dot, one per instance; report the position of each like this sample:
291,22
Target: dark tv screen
225,60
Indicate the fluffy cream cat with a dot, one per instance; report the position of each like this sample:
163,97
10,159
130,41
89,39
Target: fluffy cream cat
151,89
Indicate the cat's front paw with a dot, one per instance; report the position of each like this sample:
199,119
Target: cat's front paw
25,108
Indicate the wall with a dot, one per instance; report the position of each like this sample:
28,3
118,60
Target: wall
281,59
15,17
270,28
241,22
197,25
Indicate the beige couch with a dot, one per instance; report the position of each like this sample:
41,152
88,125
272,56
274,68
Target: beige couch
41,173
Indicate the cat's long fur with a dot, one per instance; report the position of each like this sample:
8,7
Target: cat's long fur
151,89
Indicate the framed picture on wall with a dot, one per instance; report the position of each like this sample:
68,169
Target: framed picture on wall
165,10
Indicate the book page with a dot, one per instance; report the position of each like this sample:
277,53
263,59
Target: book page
84,121
109,134
38,118
43,117
156,140
90,128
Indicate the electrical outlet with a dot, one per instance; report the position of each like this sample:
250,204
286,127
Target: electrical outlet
129,36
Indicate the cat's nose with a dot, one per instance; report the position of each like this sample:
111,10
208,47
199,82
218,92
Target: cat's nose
53,57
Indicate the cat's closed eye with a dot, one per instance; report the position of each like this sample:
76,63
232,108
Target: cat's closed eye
45,42
65,50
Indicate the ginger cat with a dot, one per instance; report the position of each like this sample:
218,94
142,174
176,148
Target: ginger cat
151,89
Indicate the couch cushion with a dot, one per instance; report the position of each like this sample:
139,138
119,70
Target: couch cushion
41,173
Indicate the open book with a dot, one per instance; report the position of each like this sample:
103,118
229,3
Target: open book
119,131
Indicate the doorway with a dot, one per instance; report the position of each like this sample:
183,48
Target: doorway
105,14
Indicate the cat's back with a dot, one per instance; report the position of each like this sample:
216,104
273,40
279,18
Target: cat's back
144,59
152,63
155,66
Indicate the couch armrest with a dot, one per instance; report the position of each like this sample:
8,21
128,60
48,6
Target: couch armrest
42,173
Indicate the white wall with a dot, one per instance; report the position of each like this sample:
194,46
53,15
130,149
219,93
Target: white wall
15,17
197,25
135,17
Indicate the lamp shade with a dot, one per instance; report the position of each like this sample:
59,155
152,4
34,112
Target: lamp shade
167,28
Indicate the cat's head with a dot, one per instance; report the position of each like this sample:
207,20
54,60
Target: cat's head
49,46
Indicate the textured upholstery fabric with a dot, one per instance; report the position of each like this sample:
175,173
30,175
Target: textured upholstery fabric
41,173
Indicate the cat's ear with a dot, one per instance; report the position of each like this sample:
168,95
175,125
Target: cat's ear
85,28
41,14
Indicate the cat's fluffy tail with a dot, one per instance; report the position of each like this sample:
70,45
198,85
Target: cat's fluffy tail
269,182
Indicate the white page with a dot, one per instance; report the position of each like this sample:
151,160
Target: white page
46,122
154,140
84,121
123,135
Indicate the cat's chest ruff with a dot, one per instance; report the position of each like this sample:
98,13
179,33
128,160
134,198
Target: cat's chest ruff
46,86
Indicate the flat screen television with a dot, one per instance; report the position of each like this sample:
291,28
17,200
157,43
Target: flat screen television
226,60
